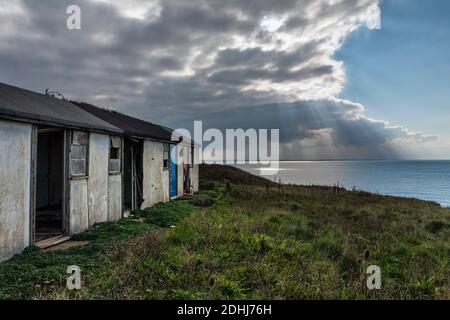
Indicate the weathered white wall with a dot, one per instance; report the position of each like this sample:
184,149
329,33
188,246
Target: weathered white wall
98,197
15,184
115,197
153,187
166,185
79,211
98,178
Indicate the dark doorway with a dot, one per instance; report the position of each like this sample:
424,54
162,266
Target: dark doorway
187,178
49,183
132,174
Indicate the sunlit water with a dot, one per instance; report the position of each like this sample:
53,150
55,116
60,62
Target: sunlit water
426,180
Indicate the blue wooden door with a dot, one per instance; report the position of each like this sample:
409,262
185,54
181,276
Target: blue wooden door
173,173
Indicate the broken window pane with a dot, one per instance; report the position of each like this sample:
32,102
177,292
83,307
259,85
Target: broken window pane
80,138
166,149
114,153
116,142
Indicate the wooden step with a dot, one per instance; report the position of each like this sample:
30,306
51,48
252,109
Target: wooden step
53,241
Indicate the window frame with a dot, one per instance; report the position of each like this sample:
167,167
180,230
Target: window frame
115,142
76,140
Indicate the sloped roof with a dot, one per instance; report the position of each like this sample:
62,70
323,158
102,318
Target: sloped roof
21,104
129,125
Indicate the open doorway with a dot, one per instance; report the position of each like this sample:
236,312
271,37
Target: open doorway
132,174
49,184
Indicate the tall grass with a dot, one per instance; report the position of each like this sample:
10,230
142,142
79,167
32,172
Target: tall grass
237,240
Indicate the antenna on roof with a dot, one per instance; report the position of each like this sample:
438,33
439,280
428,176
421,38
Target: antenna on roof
110,109
54,94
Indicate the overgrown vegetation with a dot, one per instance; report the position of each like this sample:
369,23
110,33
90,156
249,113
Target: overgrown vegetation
36,273
165,214
243,237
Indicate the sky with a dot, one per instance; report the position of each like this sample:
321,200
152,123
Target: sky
402,72
334,88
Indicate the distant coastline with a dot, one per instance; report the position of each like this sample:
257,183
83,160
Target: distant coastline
427,180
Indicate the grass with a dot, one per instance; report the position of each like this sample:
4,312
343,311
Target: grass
243,237
36,273
165,214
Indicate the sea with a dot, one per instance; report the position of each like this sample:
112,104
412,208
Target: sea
426,180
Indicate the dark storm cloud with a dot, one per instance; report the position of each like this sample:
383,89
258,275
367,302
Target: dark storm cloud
232,63
256,57
322,124
243,76
300,120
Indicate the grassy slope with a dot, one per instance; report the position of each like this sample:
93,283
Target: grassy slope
250,238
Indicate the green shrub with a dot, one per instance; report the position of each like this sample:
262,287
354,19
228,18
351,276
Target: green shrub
295,207
165,214
437,226
203,201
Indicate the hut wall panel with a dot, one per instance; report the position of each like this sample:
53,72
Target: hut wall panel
166,186
15,185
98,178
79,212
115,197
153,186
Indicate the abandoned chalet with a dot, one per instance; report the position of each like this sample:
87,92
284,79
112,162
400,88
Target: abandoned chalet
65,166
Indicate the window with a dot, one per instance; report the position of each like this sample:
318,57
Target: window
166,158
79,153
115,155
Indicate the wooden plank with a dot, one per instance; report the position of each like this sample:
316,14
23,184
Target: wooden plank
51,241
67,245
47,243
